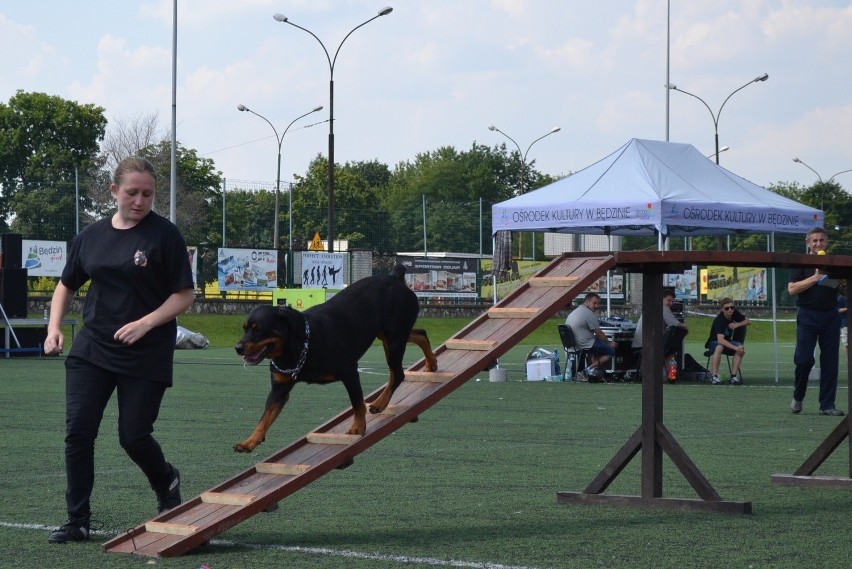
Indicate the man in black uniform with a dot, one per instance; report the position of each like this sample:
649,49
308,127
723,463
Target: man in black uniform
816,321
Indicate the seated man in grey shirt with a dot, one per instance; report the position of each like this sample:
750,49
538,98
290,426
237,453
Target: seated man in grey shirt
589,336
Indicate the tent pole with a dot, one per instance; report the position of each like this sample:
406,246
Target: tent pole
770,245
609,280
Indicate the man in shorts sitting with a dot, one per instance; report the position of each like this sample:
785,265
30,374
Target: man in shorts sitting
588,336
721,340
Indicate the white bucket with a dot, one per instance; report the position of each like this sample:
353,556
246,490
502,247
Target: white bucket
497,374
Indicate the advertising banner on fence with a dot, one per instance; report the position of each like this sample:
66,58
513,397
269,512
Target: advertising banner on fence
44,258
247,269
192,253
616,282
739,283
685,286
322,270
441,277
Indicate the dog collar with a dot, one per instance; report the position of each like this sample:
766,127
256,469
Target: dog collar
302,357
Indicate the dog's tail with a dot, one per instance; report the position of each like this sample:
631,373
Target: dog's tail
398,271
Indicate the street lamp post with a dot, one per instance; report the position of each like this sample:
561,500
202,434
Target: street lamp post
715,116
721,150
279,140
331,62
523,155
506,241
823,183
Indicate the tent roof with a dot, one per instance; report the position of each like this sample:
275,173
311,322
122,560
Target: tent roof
648,186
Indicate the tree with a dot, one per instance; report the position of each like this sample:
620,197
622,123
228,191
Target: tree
357,218
126,136
199,191
44,140
247,219
836,204
453,183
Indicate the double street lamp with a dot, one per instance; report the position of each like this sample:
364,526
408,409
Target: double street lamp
523,155
279,140
821,181
331,61
504,238
715,116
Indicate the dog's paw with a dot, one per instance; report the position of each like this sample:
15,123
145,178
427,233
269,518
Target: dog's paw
375,408
359,430
245,446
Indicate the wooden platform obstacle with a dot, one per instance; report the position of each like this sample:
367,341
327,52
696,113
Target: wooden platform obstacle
467,353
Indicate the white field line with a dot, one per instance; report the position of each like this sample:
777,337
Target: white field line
318,551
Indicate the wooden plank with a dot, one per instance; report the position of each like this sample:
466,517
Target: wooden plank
498,312
429,376
332,438
681,504
794,480
476,345
394,409
616,465
281,469
213,519
227,498
688,468
170,528
553,281
834,439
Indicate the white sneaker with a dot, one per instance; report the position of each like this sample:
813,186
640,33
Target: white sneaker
714,380
735,380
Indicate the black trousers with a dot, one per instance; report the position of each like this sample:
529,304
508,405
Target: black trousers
88,389
817,327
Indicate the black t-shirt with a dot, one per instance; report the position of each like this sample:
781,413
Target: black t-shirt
720,326
818,297
132,272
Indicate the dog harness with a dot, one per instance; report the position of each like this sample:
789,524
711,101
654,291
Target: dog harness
302,357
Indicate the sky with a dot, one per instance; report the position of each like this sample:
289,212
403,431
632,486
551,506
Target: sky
436,73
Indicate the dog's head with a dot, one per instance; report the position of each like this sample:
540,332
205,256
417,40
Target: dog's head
267,333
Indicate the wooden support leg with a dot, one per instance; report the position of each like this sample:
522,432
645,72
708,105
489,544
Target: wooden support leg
652,437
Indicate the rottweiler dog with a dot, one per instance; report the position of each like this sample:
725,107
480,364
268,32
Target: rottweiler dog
324,343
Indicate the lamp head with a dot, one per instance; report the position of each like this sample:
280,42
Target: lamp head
555,129
492,127
385,11
796,159
671,86
242,108
319,108
763,77
279,17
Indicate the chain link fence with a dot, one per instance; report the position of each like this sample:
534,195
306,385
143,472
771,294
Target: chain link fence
243,216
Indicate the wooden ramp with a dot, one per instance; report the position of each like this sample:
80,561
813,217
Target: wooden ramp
328,447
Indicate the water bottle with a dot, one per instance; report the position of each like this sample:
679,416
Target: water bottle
556,369
46,314
671,370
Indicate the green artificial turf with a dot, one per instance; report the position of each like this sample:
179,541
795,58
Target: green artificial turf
472,484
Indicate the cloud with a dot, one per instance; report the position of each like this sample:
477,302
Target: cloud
127,71
32,58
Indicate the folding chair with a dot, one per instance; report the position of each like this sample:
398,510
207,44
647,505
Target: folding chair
575,358
738,336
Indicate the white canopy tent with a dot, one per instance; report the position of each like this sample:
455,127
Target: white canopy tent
650,187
